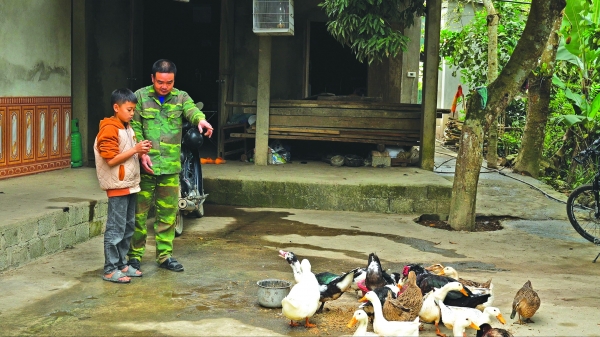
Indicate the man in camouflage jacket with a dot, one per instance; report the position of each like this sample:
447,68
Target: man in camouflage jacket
158,117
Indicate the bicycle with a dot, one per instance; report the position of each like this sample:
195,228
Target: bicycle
583,205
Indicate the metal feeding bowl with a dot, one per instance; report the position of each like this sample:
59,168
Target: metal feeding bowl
272,291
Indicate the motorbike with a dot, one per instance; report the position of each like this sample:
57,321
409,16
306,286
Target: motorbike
191,189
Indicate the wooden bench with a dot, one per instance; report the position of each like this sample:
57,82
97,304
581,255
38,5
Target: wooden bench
342,121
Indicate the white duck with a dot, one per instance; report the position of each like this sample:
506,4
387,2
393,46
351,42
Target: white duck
383,327
430,311
362,318
457,321
303,300
478,317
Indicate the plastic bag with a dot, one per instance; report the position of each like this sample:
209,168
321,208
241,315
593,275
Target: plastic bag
275,158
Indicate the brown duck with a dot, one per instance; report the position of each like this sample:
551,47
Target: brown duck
526,303
407,304
451,272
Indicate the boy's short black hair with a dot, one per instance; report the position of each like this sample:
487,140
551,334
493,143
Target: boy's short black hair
123,95
164,66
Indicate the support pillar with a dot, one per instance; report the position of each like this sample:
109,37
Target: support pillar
430,83
79,73
263,100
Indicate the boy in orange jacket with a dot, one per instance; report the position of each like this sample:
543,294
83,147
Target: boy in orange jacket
118,170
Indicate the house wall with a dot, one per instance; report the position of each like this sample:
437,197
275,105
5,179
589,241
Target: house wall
35,86
35,57
288,57
287,53
448,84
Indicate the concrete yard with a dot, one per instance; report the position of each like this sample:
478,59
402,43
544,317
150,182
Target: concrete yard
232,247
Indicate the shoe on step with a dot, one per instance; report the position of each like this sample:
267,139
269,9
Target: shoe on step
171,264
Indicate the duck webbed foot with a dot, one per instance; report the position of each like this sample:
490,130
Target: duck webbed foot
437,331
293,324
321,307
307,324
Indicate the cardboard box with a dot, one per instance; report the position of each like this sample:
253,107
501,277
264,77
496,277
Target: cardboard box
380,159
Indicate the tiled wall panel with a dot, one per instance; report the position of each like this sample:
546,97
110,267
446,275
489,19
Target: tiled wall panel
35,135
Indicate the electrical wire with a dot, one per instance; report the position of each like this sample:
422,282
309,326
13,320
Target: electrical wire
499,172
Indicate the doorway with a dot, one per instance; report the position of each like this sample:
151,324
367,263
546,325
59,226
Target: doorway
333,68
187,33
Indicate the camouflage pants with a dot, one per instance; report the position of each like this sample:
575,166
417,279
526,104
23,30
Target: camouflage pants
162,191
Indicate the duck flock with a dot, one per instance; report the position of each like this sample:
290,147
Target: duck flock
399,302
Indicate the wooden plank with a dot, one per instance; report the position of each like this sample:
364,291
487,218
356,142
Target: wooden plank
350,132
240,104
350,98
331,112
335,139
346,122
332,104
362,113
349,136
380,133
321,131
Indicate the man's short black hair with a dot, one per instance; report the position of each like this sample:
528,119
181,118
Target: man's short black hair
164,66
121,96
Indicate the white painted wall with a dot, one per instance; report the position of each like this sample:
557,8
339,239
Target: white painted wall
448,84
35,48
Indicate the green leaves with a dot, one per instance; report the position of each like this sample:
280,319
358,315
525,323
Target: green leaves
467,49
372,28
579,46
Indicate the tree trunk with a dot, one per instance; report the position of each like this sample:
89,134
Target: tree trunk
542,15
532,143
492,74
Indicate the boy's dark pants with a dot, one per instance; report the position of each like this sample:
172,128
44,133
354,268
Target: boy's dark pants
120,224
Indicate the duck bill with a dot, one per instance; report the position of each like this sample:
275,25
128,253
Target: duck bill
474,326
464,292
282,253
363,299
501,319
352,322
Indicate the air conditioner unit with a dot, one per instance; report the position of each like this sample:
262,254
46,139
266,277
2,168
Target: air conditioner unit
273,17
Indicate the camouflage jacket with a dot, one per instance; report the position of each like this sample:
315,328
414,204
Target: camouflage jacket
161,124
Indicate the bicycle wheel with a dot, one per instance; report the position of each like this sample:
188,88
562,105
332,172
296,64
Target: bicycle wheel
581,210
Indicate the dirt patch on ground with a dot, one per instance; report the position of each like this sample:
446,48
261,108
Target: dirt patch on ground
482,224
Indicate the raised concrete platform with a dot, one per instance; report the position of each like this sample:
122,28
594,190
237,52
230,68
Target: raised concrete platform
48,212
317,185
45,213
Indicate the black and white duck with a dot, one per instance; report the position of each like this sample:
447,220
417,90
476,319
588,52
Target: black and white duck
428,281
375,276
331,286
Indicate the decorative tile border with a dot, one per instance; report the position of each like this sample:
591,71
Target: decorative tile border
35,135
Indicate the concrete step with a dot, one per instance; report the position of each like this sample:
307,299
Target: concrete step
316,185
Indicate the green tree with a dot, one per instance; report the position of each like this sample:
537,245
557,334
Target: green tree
467,50
372,28
484,107
540,83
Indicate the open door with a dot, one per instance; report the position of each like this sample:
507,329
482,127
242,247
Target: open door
332,67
